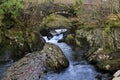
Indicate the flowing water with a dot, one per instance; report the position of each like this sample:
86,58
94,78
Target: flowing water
4,67
78,69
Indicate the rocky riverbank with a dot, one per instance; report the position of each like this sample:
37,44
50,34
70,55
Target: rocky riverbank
36,64
100,38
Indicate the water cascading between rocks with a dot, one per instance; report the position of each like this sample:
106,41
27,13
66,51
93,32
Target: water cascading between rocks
78,69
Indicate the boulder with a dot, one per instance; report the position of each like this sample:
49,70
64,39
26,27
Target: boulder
102,47
14,46
54,21
116,75
36,64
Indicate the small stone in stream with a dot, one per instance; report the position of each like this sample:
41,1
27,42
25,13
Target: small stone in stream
61,40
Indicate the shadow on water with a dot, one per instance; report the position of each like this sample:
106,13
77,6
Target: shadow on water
4,66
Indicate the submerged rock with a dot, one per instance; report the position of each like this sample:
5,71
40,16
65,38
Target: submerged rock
36,64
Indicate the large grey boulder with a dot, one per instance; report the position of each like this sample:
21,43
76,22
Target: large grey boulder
36,64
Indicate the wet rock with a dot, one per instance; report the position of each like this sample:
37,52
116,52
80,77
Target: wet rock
36,64
70,39
116,75
103,47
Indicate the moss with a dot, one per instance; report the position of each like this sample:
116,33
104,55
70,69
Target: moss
16,34
70,39
35,41
77,42
6,47
113,64
87,27
112,22
55,21
112,17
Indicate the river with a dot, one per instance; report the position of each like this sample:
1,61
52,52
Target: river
4,67
79,69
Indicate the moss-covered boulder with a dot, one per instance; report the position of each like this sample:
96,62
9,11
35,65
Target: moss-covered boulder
36,64
54,21
102,48
113,19
14,44
35,41
105,60
70,39
109,65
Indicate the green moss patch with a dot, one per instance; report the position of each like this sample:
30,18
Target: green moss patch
55,21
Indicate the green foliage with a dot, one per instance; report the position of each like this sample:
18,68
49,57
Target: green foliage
9,9
108,27
55,21
77,7
70,39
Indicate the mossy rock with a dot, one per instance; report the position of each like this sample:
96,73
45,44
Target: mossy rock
70,39
36,42
77,43
34,65
17,35
109,65
54,21
113,20
16,46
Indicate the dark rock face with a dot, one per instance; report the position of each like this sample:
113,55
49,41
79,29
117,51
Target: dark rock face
34,65
103,49
16,47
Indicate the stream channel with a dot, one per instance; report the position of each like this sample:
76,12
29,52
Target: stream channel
79,69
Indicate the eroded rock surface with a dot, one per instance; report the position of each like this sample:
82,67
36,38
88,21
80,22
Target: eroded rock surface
36,64
103,48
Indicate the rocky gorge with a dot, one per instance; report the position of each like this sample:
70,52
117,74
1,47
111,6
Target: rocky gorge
36,64
36,58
